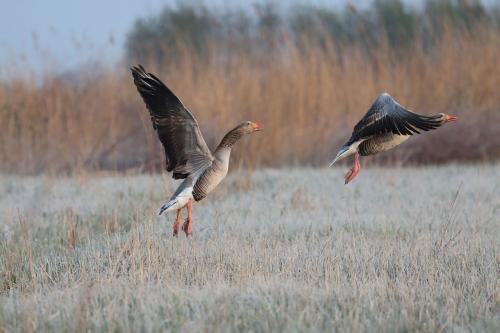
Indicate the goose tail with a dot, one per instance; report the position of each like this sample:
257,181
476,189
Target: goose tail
340,155
167,206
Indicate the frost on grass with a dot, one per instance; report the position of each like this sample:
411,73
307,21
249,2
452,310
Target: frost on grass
296,250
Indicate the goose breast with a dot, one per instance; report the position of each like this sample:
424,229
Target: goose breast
209,179
380,143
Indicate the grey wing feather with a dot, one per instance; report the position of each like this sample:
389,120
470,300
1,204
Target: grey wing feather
185,149
386,115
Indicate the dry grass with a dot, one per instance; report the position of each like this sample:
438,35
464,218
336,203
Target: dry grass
293,251
308,101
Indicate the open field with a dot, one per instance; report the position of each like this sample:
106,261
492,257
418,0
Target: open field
397,250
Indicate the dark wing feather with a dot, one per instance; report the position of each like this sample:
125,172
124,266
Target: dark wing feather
185,149
386,115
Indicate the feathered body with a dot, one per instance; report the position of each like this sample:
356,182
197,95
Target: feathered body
212,176
198,186
380,143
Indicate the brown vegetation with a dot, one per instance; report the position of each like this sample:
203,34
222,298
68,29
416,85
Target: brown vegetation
308,98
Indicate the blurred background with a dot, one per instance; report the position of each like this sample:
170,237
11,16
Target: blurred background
306,70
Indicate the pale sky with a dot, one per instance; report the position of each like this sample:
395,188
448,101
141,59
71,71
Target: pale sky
66,33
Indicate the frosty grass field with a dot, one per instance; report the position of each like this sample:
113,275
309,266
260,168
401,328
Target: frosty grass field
413,249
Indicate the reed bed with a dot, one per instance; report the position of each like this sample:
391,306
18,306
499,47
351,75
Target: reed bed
308,98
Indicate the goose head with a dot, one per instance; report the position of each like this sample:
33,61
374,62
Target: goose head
249,127
446,118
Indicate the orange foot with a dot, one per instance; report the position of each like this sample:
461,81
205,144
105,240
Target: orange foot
176,230
352,173
177,223
186,227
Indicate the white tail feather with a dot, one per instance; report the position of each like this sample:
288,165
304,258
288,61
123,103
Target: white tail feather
166,206
177,202
346,151
333,161
340,155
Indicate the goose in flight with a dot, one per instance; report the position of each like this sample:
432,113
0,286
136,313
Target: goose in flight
385,125
187,154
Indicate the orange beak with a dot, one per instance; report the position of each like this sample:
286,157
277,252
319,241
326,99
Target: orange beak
450,118
257,126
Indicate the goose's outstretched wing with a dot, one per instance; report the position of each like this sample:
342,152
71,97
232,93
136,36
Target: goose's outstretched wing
185,149
386,115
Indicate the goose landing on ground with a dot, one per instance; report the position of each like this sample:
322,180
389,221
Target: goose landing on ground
187,155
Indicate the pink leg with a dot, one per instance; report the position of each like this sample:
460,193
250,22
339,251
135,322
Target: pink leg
352,173
177,222
186,227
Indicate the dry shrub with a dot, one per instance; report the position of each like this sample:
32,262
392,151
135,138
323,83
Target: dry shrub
308,99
